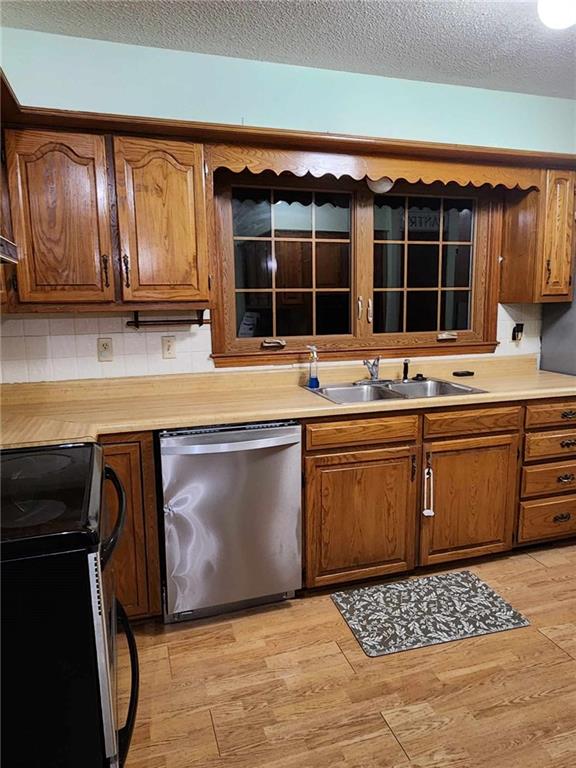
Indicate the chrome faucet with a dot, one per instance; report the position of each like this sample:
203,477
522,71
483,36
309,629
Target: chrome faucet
405,374
373,368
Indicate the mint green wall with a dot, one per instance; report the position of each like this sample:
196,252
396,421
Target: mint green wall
72,73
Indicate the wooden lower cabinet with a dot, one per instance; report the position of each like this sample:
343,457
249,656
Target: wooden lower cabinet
474,497
361,519
136,561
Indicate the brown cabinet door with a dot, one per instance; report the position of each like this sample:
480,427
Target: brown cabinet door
60,216
129,559
162,220
473,497
361,514
558,224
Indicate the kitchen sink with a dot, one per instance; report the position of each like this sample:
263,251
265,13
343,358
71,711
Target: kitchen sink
367,392
356,393
430,388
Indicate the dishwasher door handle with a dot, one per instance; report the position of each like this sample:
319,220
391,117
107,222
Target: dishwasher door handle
245,445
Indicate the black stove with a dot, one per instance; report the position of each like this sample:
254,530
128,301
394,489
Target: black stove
59,611
50,498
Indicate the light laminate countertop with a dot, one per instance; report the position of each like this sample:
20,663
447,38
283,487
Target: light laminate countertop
77,411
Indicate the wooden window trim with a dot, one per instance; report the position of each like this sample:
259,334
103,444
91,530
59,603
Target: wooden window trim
228,350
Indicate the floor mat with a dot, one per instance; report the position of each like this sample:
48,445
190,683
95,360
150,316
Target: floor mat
414,613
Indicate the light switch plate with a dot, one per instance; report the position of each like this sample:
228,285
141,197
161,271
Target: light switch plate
168,347
105,350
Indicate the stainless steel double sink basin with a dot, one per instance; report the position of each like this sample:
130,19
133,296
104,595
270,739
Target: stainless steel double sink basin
369,391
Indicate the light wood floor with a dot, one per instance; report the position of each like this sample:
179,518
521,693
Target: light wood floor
289,687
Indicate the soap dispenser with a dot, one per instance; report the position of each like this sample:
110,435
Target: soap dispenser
313,382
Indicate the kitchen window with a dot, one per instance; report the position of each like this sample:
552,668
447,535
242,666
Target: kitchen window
356,273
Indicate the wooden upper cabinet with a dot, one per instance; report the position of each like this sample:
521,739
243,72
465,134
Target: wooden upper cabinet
558,227
60,216
162,220
538,243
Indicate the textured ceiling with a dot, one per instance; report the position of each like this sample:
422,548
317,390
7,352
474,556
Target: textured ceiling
484,43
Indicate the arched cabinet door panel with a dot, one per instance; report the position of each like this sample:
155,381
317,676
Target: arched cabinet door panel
60,216
162,220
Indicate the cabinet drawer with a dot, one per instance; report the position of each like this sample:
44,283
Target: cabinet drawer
547,518
542,445
335,434
472,422
551,414
546,479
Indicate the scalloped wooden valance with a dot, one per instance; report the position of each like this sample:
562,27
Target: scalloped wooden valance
238,158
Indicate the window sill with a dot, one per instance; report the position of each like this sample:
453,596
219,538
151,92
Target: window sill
289,357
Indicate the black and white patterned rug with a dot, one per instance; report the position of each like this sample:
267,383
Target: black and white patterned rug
428,610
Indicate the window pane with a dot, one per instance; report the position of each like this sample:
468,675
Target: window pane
423,218
332,216
458,220
388,266
422,309
292,214
294,314
293,264
332,265
253,263
388,311
332,313
455,311
251,212
456,266
423,266
388,218
253,314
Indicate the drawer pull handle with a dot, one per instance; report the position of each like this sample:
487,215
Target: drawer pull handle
569,414
563,518
568,443
568,478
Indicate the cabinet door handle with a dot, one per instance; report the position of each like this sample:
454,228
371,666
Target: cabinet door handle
428,510
569,414
563,518
360,306
548,271
369,313
105,270
413,470
568,443
567,478
126,263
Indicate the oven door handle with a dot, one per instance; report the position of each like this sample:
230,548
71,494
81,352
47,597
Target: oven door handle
109,545
125,733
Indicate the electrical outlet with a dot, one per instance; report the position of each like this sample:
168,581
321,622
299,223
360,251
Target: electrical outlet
168,347
105,350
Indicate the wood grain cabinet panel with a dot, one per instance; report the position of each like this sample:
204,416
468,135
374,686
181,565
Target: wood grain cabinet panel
136,559
338,434
161,216
60,216
473,497
554,413
472,421
361,518
547,519
558,225
548,479
546,445
538,241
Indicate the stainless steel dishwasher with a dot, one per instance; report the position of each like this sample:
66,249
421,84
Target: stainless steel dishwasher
232,517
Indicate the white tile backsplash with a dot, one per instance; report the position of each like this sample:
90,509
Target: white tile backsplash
49,348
